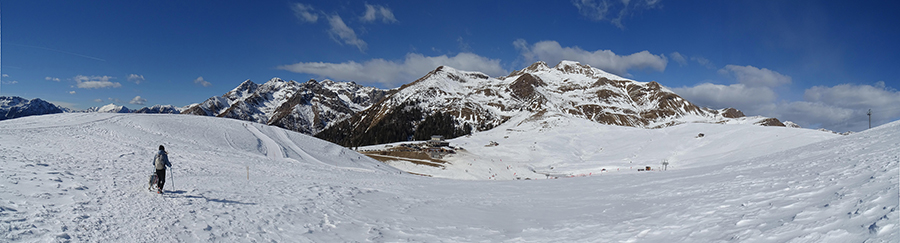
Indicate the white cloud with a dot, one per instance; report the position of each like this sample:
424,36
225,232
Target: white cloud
137,79
391,73
95,82
72,92
551,53
753,76
5,75
98,100
591,9
844,107
677,57
463,45
10,82
114,100
375,12
838,108
602,10
202,82
854,96
51,79
305,12
723,96
813,115
138,100
703,62
341,33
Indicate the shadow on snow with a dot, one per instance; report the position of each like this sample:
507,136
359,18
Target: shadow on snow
205,198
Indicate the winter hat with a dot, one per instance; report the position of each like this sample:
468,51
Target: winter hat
162,148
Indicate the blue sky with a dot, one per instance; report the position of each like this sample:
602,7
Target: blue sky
817,63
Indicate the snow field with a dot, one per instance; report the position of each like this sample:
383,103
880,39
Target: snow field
86,180
563,146
82,177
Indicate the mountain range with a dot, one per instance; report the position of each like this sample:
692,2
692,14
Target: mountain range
445,101
15,107
452,102
307,107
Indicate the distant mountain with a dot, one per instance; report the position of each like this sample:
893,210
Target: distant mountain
15,107
452,103
307,107
161,109
110,108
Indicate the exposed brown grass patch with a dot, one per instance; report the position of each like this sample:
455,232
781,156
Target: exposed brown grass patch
419,158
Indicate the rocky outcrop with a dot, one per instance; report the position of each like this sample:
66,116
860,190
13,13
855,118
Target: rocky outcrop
732,113
770,122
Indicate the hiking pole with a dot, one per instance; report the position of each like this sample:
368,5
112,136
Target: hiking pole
173,179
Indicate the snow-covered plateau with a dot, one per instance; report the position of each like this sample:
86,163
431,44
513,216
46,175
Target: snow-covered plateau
565,146
83,177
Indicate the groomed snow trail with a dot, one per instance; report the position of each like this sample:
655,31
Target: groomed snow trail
82,177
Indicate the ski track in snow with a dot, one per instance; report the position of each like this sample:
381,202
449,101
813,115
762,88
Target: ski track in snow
83,177
279,151
273,150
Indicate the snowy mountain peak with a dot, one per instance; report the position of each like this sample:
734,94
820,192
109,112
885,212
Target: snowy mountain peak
246,85
568,63
447,72
110,108
538,66
242,90
276,80
573,67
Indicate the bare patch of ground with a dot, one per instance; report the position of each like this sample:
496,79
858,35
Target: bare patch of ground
418,158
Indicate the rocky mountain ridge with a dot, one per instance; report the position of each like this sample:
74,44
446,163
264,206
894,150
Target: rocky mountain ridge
15,107
303,107
452,103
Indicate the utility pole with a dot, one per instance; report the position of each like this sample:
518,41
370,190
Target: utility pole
870,118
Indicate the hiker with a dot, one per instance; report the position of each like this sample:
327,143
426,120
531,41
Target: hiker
161,160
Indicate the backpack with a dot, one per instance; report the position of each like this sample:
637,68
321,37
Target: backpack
161,159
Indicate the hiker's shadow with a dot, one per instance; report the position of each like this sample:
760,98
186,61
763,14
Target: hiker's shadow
181,195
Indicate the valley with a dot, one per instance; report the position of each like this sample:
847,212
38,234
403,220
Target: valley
83,177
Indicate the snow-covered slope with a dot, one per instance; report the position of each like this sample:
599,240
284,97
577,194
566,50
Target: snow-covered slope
15,107
307,108
83,177
477,102
564,146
